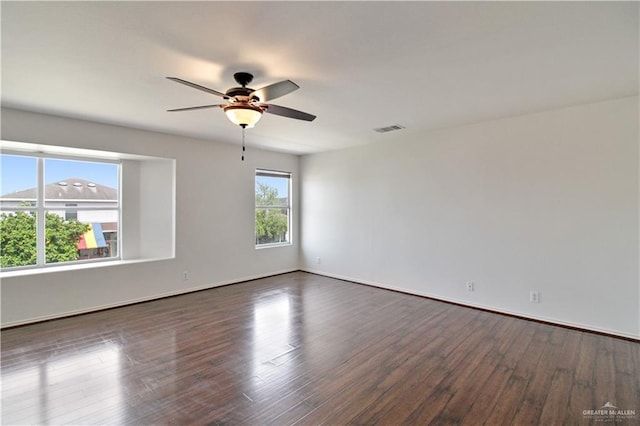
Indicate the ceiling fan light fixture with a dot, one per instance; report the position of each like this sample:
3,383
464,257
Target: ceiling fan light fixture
243,115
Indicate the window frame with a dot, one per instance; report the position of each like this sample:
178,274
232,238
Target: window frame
288,207
41,208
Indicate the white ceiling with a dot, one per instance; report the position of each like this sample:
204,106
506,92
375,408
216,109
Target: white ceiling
360,65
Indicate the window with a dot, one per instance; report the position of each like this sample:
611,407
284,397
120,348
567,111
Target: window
56,210
71,213
273,208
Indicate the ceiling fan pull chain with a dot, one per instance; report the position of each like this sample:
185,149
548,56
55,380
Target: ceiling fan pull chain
243,146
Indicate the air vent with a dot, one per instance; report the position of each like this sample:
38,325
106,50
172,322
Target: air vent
389,128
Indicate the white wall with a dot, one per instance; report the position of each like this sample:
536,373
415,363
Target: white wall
157,194
545,202
214,221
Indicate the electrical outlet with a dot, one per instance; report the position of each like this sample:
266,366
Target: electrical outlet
470,286
185,275
318,260
534,297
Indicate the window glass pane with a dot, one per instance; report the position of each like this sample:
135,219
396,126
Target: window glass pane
82,216
80,239
18,180
272,191
71,213
90,183
272,226
17,238
100,240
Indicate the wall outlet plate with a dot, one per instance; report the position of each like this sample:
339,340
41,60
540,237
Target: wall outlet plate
470,286
534,297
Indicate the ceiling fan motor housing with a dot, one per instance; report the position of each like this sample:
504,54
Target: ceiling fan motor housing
239,91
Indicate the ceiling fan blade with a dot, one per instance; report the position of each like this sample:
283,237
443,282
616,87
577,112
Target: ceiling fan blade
197,86
275,90
195,107
289,112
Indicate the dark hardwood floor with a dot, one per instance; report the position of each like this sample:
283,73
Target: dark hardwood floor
304,349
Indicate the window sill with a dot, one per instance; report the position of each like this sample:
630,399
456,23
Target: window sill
265,246
75,267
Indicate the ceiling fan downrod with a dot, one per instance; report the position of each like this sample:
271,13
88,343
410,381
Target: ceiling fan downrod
243,78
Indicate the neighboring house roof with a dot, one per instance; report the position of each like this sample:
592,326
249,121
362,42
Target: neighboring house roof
69,189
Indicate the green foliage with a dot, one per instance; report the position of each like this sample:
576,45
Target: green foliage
61,238
266,195
271,223
271,226
18,238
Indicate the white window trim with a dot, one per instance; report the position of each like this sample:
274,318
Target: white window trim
279,174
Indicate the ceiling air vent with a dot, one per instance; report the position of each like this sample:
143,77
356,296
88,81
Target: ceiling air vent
389,128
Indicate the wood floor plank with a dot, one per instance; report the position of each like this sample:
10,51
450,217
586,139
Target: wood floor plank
559,389
470,382
309,350
531,406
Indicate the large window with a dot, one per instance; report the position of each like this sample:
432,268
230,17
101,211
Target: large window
57,210
273,208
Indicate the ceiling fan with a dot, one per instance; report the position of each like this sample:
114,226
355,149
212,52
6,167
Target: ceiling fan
245,105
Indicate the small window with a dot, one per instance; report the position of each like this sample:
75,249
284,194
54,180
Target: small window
71,214
273,208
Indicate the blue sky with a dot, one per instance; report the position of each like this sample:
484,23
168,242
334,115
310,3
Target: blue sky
282,185
18,173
